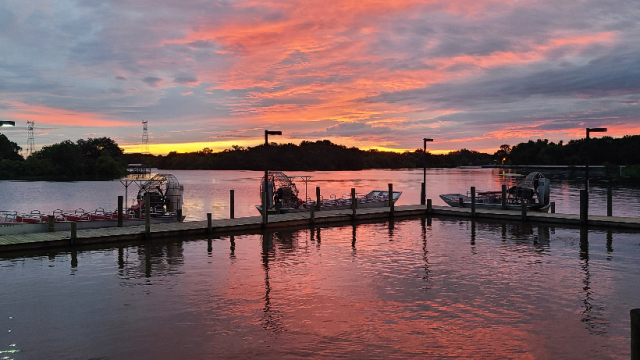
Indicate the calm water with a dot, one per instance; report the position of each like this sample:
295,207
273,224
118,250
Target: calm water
410,289
208,191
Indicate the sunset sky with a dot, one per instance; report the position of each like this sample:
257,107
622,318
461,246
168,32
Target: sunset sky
380,74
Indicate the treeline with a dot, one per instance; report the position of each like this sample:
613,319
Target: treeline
91,159
318,155
602,151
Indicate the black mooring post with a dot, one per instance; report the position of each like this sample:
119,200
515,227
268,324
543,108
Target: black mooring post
231,204
504,197
635,334
354,203
473,201
609,201
74,233
318,198
422,194
391,204
429,206
312,216
209,227
584,207
120,206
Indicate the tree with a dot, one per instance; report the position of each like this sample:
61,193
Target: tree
9,150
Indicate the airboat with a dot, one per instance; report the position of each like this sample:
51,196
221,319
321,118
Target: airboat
533,191
283,196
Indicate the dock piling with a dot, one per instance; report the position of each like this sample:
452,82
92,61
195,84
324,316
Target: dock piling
312,215
524,211
179,215
52,222
147,217
231,204
429,206
553,207
120,206
209,227
265,215
317,197
584,207
423,194
504,197
609,201
635,334
74,233
460,202
473,202
278,208
354,203
391,200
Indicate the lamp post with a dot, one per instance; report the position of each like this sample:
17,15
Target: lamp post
424,173
586,176
265,201
5,123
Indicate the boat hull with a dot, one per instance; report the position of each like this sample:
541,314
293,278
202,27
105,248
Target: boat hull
452,200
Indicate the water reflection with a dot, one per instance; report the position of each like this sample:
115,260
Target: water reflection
592,314
425,252
151,260
272,318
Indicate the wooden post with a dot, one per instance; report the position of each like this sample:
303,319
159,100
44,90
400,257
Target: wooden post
278,207
354,203
209,227
524,211
265,215
391,204
147,217
312,216
317,197
553,207
120,206
609,201
231,204
52,222
473,201
422,194
74,233
460,202
504,197
429,206
635,334
179,215
584,212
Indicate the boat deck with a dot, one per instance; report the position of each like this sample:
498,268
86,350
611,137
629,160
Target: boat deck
253,224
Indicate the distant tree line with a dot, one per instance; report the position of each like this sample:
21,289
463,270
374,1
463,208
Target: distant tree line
318,155
102,158
602,151
91,159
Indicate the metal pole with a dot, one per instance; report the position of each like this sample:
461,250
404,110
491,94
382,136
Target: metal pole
265,216
147,217
231,204
584,209
391,204
586,183
609,201
354,203
504,197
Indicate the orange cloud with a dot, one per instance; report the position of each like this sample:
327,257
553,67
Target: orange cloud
54,116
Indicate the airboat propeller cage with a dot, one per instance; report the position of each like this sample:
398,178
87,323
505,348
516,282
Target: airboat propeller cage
163,190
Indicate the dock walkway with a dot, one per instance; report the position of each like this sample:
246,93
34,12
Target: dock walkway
253,224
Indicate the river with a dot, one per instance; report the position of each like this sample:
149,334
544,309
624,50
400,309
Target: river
414,288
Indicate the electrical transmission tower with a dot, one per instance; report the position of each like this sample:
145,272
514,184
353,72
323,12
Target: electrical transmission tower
145,138
30,140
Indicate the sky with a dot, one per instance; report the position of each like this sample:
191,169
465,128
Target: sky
380,74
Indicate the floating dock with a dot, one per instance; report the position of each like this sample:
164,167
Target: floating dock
253,224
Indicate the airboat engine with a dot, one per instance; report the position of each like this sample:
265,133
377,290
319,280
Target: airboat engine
543,191
165,194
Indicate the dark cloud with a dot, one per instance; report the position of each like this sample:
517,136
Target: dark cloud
152,81
122,78
183,80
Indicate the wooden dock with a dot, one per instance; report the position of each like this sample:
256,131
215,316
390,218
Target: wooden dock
254,224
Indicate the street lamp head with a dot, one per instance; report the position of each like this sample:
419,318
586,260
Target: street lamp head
425,139
596,130
273,132
4,123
